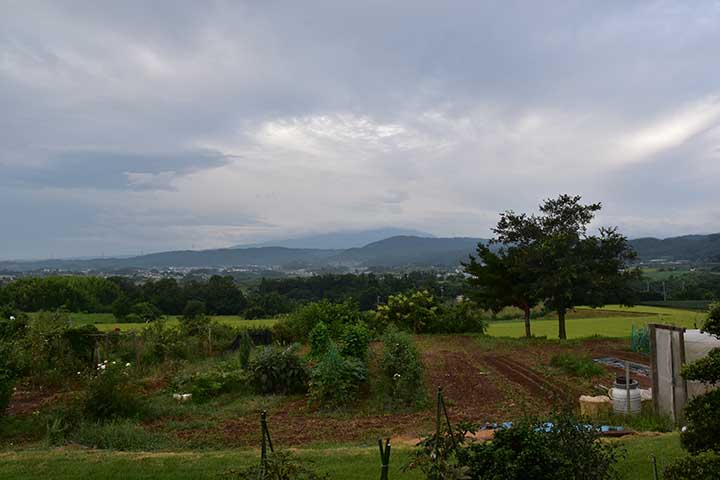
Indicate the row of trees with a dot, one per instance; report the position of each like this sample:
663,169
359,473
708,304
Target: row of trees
550,258
220,294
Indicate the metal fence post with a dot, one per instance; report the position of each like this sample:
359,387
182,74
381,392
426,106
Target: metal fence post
384,458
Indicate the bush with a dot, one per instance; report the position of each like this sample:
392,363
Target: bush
458,317
194,321
244,349
583,367
146,312
702,414
402,369
278,370
565,447
705,466
7,383
82,343
319,340
355,340
204,385
702,418
415,311
336,380
303,320
110,393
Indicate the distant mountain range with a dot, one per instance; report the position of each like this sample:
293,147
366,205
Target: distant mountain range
396,251
341,240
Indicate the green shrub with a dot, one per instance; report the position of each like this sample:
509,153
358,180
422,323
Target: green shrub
302,321
702,414
355,340
336,380
458,317
702,417
146,311
116,435
7,383
563,448
81,342
319,340
244,349
704,466
583,367
193,320
207,384
402,369
278,370
110,393
415,311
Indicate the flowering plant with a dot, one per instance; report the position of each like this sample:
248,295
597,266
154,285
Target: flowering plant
110,393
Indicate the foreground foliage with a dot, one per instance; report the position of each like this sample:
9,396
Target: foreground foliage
564,447
702,414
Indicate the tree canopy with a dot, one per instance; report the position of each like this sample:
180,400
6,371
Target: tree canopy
551,258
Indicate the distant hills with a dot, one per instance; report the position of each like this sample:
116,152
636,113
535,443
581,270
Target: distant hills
340,240
394,252
687,247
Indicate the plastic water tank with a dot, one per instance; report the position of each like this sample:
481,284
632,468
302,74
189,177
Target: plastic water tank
619,395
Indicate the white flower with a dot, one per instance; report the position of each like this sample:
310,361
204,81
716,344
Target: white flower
12,317
127,364
396,376
78,373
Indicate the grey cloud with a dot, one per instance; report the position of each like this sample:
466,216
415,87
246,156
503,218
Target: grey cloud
113,170
178,122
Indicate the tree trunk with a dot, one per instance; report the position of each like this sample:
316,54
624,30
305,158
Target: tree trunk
526,310
561,324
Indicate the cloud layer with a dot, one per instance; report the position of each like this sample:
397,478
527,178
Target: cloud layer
126,127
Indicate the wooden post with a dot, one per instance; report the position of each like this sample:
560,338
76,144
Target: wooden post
210,340
654,366
137,350
672,379
627,386
681,341
107,346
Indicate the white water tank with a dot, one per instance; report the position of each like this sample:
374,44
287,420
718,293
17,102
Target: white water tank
621,396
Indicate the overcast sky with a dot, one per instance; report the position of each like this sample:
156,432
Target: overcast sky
141,126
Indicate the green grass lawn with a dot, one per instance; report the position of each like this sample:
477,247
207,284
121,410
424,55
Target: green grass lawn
614,325
106,322
226,319
340,462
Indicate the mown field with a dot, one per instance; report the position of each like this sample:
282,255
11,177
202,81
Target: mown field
349,463
611,321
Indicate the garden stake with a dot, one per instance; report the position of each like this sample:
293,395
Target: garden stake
266,442
441,408
384,458
654,464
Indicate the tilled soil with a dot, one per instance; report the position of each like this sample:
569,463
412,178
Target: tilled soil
473,390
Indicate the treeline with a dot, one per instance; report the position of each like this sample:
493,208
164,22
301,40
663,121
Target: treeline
219,295
681,287
367,290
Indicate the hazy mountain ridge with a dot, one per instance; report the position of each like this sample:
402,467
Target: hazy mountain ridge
339,240
396,251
